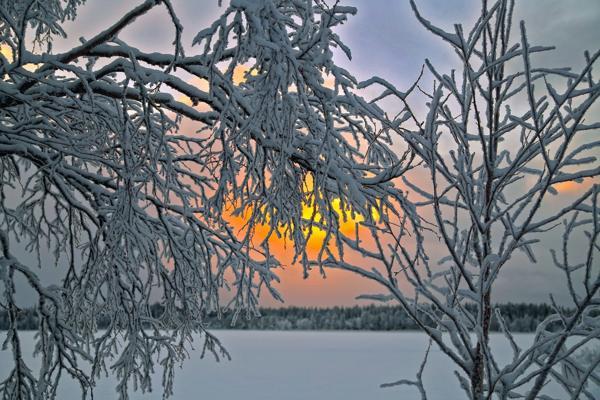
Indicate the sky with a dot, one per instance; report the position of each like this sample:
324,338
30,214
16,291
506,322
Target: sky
386,40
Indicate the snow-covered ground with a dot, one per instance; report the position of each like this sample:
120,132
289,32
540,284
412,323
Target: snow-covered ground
295,365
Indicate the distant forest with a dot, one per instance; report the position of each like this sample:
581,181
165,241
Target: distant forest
518,317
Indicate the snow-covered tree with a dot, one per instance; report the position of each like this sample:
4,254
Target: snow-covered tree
507,155
99,177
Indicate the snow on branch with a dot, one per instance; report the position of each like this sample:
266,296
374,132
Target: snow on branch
102,176
507,166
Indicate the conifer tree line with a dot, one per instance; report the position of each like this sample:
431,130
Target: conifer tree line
519,317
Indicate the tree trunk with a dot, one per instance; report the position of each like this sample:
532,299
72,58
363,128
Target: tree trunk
478,374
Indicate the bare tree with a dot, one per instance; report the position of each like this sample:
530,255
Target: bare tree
99,178
498,144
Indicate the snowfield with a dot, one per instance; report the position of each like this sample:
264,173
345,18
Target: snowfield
301,365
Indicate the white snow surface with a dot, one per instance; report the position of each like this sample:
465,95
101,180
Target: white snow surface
295,365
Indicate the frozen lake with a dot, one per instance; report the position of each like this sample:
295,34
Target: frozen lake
300,365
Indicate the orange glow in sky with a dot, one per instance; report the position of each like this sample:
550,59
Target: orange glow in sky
567,186
280,244
315,290
337,287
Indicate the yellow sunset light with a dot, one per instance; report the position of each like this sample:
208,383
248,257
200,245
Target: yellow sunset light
348,224
6,51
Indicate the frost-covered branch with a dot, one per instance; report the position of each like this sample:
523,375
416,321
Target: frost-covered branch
508,161
119,166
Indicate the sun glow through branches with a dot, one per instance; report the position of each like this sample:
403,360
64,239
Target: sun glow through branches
314,227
